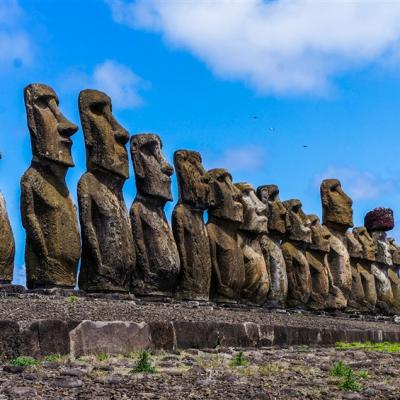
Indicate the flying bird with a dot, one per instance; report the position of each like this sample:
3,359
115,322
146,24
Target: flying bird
304,145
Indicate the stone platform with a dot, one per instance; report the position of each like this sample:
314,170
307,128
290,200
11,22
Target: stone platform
39,325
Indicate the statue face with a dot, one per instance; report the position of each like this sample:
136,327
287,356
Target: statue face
105,138
394,250
50,131
152,171
225,195
278,219
354,247
254,211
192,179
299,223
319,234
383,254
336,205
367,243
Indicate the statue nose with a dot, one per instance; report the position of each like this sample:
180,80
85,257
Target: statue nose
167,169
67,128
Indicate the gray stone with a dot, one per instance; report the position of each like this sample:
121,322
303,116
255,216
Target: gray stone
112,337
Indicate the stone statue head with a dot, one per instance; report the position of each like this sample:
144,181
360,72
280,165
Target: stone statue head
105,138
278,220
354,246
193,186
152,171
255,217
336,205
319,235
226,197
50,131
367,243
379,219
299,224
395,251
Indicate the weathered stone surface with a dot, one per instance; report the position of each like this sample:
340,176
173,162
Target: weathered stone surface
188,226
225,217
45,337
270,244
255,223
393,273
293,249
379,219
196,334
365,265
337,216
110,337
357,296
162,335
324,293
48,212
9,339
7,245
158,264
108,254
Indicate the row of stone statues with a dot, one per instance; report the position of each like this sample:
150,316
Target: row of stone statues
254,248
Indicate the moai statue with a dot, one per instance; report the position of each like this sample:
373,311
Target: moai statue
255,223
157,257
294,246
278,223
393,273
378,222
48,213
225,216
365,266
357,298
108,255
189,229
337,216
324,293
7,245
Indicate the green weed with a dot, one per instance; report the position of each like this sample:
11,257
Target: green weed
24,361
385,347
102,357
143,363
54,358
239,360
72,299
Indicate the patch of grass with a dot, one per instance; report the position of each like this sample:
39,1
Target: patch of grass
340,369
362,374
239,360
24,361
349,382
102,357
143,363
384,347
54,358
348,377
269,369
72,299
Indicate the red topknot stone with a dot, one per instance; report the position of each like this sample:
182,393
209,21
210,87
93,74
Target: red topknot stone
379,219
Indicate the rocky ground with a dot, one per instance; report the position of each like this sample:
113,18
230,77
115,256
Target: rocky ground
292,373
28,307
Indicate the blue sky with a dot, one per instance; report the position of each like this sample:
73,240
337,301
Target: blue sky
320,74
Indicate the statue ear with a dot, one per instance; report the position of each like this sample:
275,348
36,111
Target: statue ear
29,111
135,154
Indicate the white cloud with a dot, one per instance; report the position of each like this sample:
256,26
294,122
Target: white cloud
244,159
15,44
360,185
277,46
117,80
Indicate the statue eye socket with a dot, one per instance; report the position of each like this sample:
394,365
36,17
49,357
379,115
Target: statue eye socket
43,102
97,108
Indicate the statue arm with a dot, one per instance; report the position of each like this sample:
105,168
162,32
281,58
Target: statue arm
178,228
142,260
86,204
29,219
